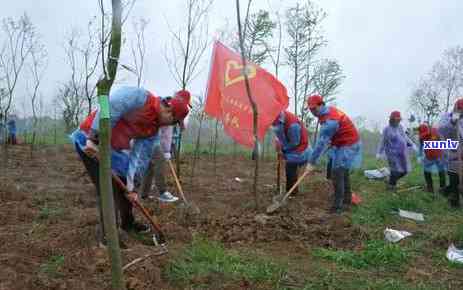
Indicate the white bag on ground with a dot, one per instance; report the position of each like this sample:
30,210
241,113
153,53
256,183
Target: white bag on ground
394,236
411,215
454,254
377,173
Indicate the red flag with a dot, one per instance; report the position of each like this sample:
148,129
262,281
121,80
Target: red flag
228,101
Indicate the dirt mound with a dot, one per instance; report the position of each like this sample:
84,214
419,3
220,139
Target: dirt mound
317,229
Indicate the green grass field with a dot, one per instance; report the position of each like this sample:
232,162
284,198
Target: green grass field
418,262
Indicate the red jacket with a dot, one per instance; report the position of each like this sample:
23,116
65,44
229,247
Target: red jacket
139,123
347,134
290,119
433,135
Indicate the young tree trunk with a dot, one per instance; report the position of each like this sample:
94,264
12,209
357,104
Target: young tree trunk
197,146
177,155
215,146
103,88
253,105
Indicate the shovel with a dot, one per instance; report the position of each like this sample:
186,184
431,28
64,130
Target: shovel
158,235
279,201
190,207
279,185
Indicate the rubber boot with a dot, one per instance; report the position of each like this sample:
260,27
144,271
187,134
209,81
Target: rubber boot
429,184
347,190
453,190
442,182
339,187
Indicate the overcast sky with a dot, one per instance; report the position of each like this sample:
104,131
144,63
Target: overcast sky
384,47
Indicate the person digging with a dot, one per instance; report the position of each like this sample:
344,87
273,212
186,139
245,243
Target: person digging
162,153
292,143
337,131
136,114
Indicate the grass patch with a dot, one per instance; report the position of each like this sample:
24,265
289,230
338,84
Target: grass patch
47,212
377,254
205,259
349,281
53,266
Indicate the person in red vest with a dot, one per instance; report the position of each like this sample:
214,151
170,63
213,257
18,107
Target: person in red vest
293,143
338,132
433,160
136,115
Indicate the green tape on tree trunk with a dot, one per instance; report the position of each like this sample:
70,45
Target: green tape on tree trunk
104,106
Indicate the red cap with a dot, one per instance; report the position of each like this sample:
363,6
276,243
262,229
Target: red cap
179,108
314,100
459,104
423,130
184,95
395,115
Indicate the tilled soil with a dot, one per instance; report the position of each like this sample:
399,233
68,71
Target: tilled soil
48,211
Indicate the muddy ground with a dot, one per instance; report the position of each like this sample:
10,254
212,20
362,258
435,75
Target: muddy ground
48,210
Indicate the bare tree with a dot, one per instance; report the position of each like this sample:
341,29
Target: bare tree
189,43
327,78
255,112
37,66
89,52
110,66
303,24
82,56
71,104
197,113
186,49
425,100
448,72
275,52
257,35
17,46
138,48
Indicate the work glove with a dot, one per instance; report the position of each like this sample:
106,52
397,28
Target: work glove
132,196
310,167
167,156
90,149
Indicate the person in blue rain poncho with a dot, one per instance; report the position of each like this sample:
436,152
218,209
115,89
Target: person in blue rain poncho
432,160
136,115
337,132
395,146
293,144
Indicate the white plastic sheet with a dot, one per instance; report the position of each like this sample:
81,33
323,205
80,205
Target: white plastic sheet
394,236
411,215
377,173
454,254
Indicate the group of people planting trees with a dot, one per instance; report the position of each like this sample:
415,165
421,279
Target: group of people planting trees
143,124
